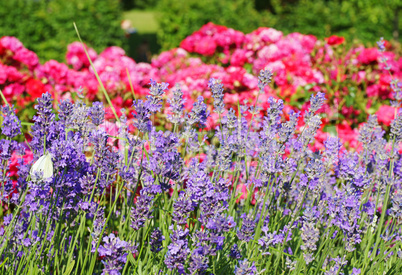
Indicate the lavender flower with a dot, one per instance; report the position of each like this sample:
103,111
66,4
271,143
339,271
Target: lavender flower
79,117
97,113
316,103
177,251
199,113
264,78
154,99
310,235
115,253
230,119
142,114
98,224
155,240
141,211
11,126
246,232
44,126
217,93
199,261
381,44
182,207
234,252
396,127
396,208
244,268
332,149
66,110
176,106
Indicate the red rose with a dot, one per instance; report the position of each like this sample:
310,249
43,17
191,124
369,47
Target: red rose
335,40
35,88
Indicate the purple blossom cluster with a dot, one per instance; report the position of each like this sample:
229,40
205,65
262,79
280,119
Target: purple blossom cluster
252,199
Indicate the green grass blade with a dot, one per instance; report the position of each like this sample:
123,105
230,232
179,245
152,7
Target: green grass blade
97,76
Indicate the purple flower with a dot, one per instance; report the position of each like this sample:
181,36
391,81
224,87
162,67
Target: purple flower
244,268
230,119
26,242
7,219
182,208
264,78
141,211
246,232
316,103
234,252
44,124
97,113
216,87
221,223
11,126
310,234
199,113
142,115
176,106
396,127
154,99
178,250
197,185
66,110
155,240
115,253
381,44
332,148
87,183
396,208
199,261
98,225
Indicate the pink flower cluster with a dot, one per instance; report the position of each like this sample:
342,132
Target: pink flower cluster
354,80
301,64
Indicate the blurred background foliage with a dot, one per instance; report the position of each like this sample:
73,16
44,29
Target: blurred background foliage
45,26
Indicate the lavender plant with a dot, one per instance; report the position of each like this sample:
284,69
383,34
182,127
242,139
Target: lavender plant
260,201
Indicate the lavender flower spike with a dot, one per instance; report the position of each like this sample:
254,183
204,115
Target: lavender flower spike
217,93
11,124
264,78
155,95
176,106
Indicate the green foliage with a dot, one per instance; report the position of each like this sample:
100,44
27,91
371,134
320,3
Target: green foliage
139,4
365,20
46,27
180,18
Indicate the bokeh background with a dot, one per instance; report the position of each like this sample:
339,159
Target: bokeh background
146,27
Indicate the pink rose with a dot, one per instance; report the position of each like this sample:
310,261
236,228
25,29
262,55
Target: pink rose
10,43
385,114
27,57
206,46
13,91
368,56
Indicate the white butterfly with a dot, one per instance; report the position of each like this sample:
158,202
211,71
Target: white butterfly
43,166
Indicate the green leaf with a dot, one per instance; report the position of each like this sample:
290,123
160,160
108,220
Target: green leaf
69,268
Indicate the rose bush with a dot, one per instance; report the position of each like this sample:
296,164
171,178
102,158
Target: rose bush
354,79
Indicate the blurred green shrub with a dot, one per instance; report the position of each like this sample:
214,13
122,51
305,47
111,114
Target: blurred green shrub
139,4
364,20
180,18
46,26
